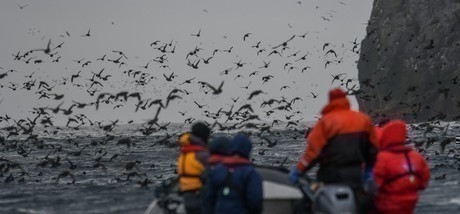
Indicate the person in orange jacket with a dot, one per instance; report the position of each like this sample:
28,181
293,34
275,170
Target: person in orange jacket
191,164
343,142
400,172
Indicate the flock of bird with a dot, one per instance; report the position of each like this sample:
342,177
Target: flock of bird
251,111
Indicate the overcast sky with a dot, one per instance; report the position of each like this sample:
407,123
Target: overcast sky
131,26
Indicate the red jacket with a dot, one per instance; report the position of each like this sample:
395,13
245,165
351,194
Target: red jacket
344,131
399,171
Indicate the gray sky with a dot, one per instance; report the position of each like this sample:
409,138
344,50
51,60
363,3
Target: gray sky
130,26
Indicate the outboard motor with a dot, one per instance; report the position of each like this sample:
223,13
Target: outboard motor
167,200
330,199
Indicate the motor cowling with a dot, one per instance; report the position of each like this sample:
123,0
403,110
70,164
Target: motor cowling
334,199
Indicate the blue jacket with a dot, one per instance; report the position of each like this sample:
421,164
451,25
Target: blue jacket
234,186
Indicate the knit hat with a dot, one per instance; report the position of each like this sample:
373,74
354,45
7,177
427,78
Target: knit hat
393,133
201,131
241,145
336,94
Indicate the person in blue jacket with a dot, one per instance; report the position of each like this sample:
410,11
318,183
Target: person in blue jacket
234,186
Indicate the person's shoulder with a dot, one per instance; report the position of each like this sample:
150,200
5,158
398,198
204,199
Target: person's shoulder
250,169
417,155
202,156
384,154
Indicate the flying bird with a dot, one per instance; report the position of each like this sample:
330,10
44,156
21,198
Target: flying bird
198,34
246,36
284,44
255,93
87,34
216,91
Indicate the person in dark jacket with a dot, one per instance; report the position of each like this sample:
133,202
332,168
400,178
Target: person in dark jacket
233,185
191,164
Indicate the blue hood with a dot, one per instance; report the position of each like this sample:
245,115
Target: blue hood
241,145
220,145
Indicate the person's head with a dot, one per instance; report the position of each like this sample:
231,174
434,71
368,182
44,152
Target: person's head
337,100
220,145
241,145
336,93
201,131
393,133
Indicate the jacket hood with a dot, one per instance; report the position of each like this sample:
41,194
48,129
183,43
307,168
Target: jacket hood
241,145
393,133
220,145
340,103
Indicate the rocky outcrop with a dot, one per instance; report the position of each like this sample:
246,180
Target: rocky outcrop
409,63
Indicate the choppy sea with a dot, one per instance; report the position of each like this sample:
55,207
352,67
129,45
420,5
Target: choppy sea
91,171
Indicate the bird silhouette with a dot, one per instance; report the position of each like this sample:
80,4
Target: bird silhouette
87,34
246,36
198,34
255,93
47,50
22,6
216,91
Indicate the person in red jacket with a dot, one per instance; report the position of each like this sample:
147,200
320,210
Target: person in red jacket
343,142
400,172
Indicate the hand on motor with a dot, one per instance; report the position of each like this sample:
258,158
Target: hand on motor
294,175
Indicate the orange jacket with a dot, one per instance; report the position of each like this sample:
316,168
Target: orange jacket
400,172
191,164
344,132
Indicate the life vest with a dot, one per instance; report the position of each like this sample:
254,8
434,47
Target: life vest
189,168
215,159
413,175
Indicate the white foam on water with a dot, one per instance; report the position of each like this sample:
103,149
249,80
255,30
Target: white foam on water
31,211
455,201
450,183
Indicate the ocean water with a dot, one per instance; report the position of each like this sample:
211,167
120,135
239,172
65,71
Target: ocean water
90,171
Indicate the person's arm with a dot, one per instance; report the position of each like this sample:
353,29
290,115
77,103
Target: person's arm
425,173
316,141
202,157
254,193
372,148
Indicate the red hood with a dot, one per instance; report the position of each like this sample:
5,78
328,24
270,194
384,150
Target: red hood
335,105
393,133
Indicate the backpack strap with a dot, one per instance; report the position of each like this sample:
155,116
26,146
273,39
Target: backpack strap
230,186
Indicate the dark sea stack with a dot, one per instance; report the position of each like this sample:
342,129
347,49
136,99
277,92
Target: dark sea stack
409,64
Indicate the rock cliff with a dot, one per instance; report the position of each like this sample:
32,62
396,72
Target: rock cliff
409,64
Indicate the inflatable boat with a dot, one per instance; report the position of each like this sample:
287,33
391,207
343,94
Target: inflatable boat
280,196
